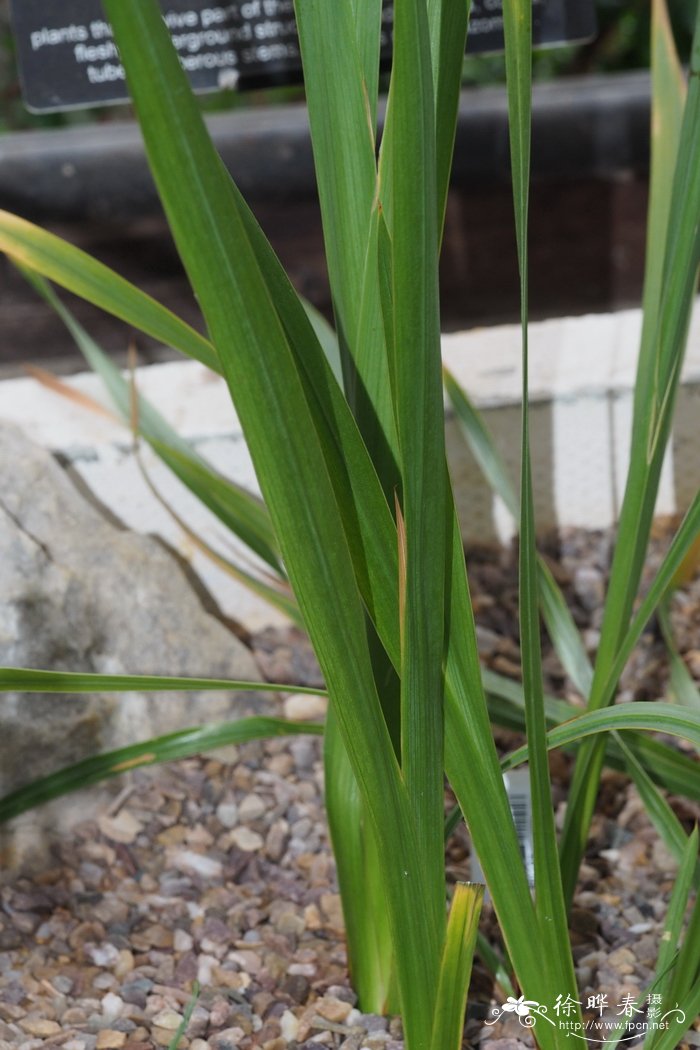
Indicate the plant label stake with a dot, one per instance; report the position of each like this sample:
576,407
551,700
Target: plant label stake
68,58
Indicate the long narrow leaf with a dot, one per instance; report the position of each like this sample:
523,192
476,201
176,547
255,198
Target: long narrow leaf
549,898
654,717
673,924
241,512
657,380
78,272
26,680
279,425
456,966
416,367
183,744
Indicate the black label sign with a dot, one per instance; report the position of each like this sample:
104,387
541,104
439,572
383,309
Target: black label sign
68,58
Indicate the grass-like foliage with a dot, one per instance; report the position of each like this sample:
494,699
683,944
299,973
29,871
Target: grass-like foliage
357,531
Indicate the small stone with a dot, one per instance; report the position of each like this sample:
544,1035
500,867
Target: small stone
124,963
219,1013
332,908
162,1036
277,839
589,586
182,941
168,1019
62,984
301,707
248,961
622,961
229,1039
110,1039
112,1006
173,836
105,955
306,970
123,828
227,814
251,808
207,867
335,1010
312,917
297,987
74,1015
39,1027
206,964
199,1044
305,752
289,1026
246,840
289,924
154,936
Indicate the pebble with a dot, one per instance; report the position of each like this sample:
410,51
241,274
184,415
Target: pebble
110,1039
227,814
112,1006
332,1009
277,839
301,707
182,941
168,1019
39,1027
124,827
251,808
246,840
208,867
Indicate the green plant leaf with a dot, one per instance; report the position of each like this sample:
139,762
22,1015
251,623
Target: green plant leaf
678,209
240,511
653,716
182,1027
669,958
279,422
79,273
183,744
670,769
359,877
448,21
416,367
549,898
456,966
27,680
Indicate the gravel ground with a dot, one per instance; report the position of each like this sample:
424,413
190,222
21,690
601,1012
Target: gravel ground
218,870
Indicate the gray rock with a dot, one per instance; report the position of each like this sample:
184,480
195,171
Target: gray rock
79,593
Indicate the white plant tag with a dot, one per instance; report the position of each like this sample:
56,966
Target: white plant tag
517,784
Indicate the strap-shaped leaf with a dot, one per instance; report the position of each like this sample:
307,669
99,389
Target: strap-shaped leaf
78,272
549,897
183,744
279,425
456,966
420,425
660,364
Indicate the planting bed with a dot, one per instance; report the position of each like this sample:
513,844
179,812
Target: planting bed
219,870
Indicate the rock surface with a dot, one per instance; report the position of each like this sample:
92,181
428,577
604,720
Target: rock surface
78,593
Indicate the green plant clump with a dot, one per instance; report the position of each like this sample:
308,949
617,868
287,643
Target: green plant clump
358,531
